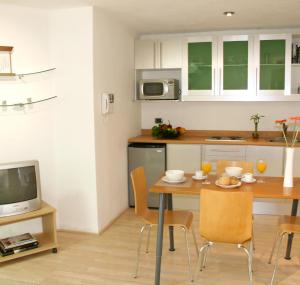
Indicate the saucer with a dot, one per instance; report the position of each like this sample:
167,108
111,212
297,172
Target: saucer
165,179
248,181
199,178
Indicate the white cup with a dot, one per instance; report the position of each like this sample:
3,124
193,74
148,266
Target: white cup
248,177
199,174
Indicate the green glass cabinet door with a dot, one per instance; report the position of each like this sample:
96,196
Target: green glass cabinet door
235,65
272,64
199,66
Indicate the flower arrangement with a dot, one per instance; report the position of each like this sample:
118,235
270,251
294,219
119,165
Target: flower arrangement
256,118
283,124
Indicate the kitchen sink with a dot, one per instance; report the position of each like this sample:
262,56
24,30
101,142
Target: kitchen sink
281,139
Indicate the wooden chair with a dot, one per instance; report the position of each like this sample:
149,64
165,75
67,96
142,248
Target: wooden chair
225,217
222,164
181,219
287,225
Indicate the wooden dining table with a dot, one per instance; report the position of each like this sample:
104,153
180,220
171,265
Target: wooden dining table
271,188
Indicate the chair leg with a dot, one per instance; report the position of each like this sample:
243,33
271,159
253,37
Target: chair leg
277,256
138,250
195,241
253,240
148,239
200,260
273,247
204,255
204,260
249,253
188,252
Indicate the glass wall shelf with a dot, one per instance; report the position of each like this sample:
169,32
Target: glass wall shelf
28,102
16,76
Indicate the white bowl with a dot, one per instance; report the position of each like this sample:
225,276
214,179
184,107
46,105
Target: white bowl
233,171
175,175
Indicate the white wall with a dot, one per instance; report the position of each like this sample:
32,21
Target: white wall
71,38
114,73
58,133
27,134
217,115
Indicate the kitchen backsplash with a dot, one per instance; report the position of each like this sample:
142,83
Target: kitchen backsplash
217,115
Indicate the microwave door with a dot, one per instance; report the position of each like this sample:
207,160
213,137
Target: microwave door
153,89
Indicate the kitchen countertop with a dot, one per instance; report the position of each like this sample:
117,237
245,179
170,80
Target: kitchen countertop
199,137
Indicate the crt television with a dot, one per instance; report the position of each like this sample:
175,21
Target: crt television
20,187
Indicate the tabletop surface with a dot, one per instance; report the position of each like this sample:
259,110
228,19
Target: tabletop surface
271,188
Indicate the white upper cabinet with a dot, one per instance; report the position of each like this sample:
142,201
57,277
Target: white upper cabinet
218,66
225,66
235,66
199,69
158,54
273,64
145,54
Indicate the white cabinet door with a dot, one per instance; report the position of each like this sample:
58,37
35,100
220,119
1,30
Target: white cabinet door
273,64
271,154
236,66
145,54
199,67
170,53
158,54
213,153
184,156
188,158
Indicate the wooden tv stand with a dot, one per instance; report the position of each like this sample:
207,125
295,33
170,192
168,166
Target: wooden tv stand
47,239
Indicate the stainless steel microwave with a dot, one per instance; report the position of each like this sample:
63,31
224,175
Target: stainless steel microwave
158,89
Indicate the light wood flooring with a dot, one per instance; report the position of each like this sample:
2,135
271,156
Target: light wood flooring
110,259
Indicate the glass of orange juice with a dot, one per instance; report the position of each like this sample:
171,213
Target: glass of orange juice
261,167
206,168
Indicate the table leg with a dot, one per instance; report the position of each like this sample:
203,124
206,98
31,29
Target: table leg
171,228
159,238
290,238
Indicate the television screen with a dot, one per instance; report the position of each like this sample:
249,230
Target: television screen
17,185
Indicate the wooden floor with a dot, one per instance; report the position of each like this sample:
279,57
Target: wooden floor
110,259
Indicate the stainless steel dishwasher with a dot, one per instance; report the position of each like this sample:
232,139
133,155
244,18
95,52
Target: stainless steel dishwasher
152,157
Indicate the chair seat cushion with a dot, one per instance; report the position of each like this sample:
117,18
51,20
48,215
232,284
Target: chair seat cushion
173,218
289,224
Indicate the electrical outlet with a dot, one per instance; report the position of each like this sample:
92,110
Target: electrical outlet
158,120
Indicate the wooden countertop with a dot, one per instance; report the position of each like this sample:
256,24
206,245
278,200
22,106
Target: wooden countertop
199,137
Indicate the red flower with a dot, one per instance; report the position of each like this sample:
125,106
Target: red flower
296,118
280,121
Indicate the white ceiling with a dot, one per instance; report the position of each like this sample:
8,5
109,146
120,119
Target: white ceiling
159,16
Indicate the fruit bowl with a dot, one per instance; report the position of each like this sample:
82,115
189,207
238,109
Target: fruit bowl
166,131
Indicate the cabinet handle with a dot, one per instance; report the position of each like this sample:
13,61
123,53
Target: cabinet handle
220,83
154,55
228,151
214,81
256,81
160,54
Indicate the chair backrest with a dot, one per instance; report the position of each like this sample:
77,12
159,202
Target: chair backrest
222,164
226,216
139,185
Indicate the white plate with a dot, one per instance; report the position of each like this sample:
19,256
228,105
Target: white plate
228,186
199,178
248,181
165,179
